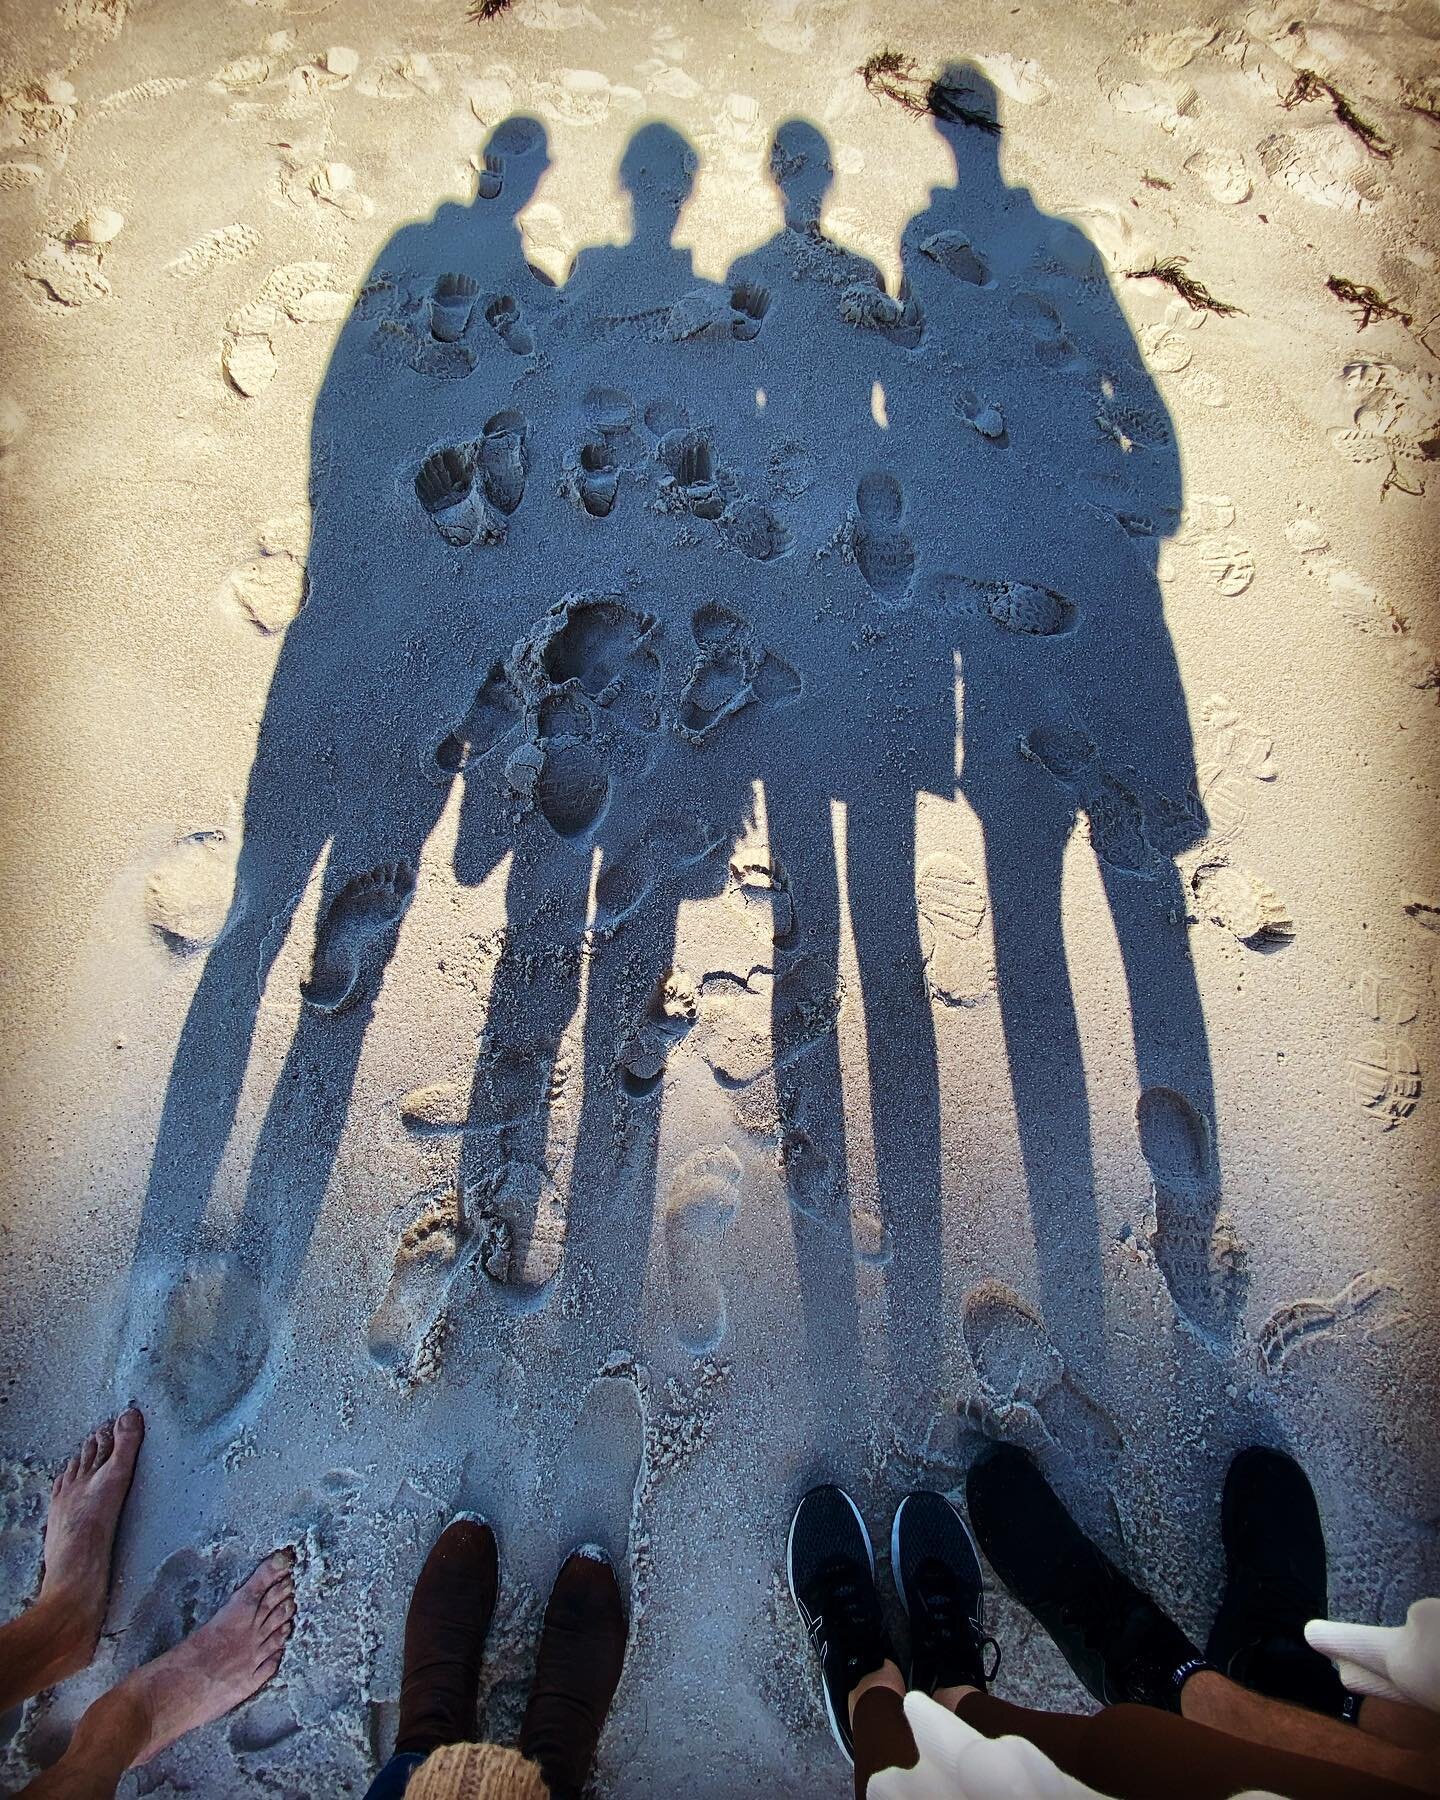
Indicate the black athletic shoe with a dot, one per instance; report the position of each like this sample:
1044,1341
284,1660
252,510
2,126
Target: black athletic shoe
1113,1636
831,1569
937,1576
1274,1582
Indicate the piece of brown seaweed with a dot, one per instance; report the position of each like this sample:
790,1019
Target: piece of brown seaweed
893,76
1171,270
1367,302
1310,86
480,10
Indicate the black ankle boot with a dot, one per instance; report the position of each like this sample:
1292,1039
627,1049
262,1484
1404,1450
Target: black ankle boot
445,1629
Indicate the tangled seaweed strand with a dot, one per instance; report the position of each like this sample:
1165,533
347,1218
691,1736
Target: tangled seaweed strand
1195,294
894,76
1310,86
1367,302
480,10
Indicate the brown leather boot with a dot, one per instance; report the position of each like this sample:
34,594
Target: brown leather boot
444,1635
582,1649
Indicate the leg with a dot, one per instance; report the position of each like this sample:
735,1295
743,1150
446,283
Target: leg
880,1731
812,1126
202,1678
450,1613
1213,1699
582,1650
1136,1752
904,1081
56,1637
1047,1079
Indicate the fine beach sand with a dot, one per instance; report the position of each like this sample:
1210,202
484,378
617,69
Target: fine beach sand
657,851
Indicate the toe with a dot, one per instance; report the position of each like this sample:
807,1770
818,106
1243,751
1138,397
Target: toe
275,1567
267,1668
87,1453
276,1611
104,1444
127,1435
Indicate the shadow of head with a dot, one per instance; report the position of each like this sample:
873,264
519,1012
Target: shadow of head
657,171
964,108
516,156
801,169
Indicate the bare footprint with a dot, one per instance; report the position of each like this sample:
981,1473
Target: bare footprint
673,845
405,1328
353,933
447,489
494,713
86,1499
701,1201
670,1012
222,1664
883,547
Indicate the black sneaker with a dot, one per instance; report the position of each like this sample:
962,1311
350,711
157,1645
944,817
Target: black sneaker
831,1569
937,1576
1113,1636
1274,1583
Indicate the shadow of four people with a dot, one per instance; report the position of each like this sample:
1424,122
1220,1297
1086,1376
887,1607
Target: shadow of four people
783,511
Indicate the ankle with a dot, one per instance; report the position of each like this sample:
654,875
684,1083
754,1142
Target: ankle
66,1626
1207,1697
950,1697
886,1676
114,1729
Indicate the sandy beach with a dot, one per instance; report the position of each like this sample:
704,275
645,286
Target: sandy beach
720,770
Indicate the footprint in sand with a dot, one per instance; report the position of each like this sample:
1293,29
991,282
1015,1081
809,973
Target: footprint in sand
598,1480
1045,328
950,899
692,473
765,1018
503,316
452,305
572,790
189,890
494,713
201,1337
749,303
883,548
503,460
1373,1300
406,1331
1114,816
591,478
670,1012
447,489
1241,903
673,845
606,650
352,935
755,531
1196,1248
813,1189
957,256
759,889
702,1199
731,671
1018,606
1028,1396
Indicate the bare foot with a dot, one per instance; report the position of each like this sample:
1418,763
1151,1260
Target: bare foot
224,1662
85,1503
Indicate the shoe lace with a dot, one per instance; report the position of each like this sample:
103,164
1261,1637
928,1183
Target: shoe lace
849,1615
950,1628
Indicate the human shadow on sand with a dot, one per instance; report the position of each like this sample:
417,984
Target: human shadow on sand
668,579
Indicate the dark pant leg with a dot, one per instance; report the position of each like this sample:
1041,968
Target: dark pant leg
394,1777
882,1736
1137,1752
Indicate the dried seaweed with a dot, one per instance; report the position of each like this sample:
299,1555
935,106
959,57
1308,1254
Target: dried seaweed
893,76
480,10
1367,302
1171,270
1156,181
1310,86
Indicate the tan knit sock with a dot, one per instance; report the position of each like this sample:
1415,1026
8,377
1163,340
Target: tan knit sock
477,1772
